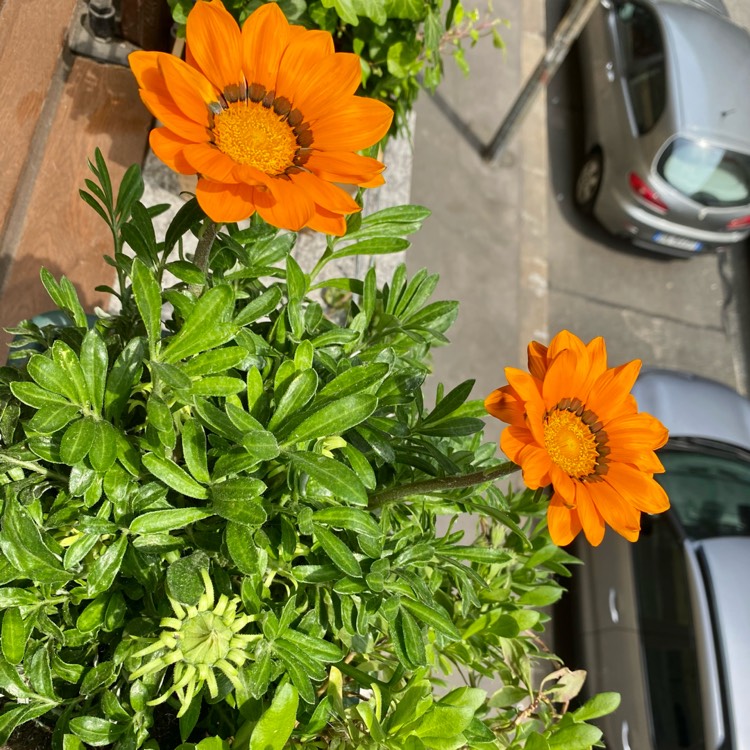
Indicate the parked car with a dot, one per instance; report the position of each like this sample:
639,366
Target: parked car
666,621
667,124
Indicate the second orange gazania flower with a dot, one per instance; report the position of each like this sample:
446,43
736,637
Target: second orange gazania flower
266,116
575,425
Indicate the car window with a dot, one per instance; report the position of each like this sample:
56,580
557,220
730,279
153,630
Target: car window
642,51
708,174
709,492
668,639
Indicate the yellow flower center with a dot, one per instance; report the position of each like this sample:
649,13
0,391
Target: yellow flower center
575,441
250,133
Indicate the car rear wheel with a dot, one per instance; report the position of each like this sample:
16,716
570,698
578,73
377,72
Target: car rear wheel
588,182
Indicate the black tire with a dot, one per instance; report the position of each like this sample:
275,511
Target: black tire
589,181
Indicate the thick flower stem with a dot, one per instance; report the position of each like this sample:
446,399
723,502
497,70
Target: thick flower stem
203,250
429,486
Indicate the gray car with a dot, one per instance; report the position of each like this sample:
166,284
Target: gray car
667,124
666,621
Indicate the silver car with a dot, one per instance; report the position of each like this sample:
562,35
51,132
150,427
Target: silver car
667,124
666,621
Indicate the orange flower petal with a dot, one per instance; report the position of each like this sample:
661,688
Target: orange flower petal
354,126
265,36
537,354
225,203
164,109
333,199
637,431
209,162
327,222
535,465
639,489
564,523
591,519
342,166
145,68
210,28
609,394
324,85
560,381
291,209
514,440
169,147
504,404
189,89
523,384
617,512
302,55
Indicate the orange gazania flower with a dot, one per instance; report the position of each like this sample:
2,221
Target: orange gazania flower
575,425
266,117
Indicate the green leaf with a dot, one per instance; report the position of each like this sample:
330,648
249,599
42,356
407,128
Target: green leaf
217,385
600,705
353,519
575,737
103,572
40,673
103,451
194,450
95,731
14,597
206,327
246,556
355,380
261,306
238,500
338,552
15,716
94,363
174,476
275,726
51,419
215,361
13,636
23,544
374,246
299,391
184,579
49,375
331,474
167,520
432,616
334,418
37,397
102,675
131,190
124,373
189,216
316,648
541,596
76,441
11,682
147,293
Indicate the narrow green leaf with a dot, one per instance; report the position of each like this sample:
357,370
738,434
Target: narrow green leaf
298,393
95,731
131,190
575,737
353,519
334,418
76,441
248,558
317,648
167,520
94,363
374,246
338,552
147,293
214,362
174,476
432,616
15,716
259,307
13,636
49,375
355,380
103,451
103,572
125,372
600,705
331,474
194,450
207,326
275,726
35,396
217,385
51,419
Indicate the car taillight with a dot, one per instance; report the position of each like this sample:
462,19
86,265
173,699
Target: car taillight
743,222
639,187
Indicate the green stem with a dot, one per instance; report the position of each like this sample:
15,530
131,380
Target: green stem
203,250
429,486
33,467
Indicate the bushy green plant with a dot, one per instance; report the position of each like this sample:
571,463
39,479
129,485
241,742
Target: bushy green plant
229,521
400,43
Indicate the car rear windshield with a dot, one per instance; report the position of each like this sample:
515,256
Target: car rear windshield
709,492
708,174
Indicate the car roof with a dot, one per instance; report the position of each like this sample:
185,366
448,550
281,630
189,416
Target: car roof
691,406
709,59
726,562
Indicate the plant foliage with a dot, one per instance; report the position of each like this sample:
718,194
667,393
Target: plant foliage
202,542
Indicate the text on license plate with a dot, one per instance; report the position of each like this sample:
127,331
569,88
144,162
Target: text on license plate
679,242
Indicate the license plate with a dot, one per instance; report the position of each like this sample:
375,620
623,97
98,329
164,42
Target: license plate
679,242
